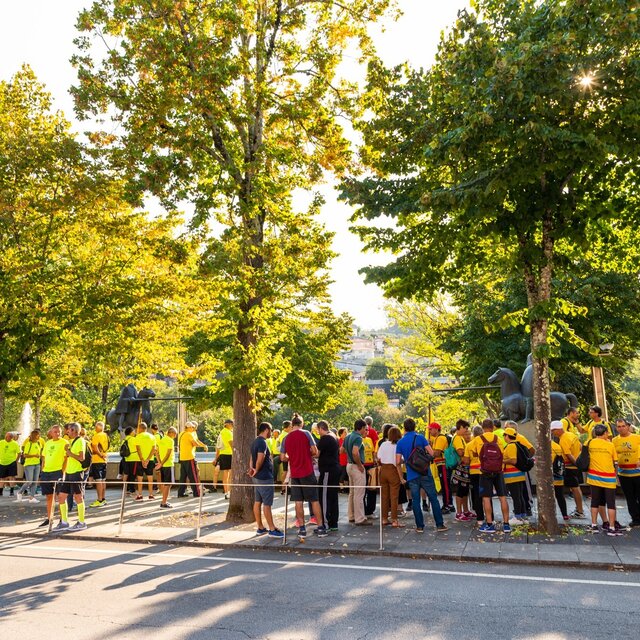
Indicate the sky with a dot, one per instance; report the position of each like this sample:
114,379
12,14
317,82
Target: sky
41,32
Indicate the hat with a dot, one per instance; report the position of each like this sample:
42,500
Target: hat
435,425
510,431
556,424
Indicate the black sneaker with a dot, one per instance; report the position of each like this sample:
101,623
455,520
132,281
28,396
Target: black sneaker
595,528
321,532
425,506
44,524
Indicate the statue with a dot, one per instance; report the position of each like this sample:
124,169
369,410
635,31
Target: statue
132,408
518,407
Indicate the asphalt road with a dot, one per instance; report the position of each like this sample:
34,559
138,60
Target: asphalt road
60,589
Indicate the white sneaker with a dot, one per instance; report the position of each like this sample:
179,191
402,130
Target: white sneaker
18,497
515,521
33,500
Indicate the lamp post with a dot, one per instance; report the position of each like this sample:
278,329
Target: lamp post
598,380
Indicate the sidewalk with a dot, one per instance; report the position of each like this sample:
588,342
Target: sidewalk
146,522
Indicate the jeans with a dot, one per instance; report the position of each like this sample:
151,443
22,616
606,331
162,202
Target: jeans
31,475
426,483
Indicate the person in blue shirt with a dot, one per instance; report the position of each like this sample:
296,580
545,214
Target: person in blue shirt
415,481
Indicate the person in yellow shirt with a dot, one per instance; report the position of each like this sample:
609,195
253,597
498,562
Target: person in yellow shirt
32,453
461,490
571,422
9,454
145,445
527,493
627,447
571,448
187,443
53,457
513,477
557,463
99,446
439,443
166,465
272,443
602,477
225,455
474,475
72,480
595,417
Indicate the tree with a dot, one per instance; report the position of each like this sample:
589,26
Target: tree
377,369
233,106
513,149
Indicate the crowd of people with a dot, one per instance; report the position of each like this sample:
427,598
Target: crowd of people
458,473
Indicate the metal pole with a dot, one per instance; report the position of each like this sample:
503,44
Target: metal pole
381,534
286,511
53,507
124,495
199,514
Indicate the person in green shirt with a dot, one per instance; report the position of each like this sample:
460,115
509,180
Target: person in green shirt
166,465
32,452
145,444
9,454
72,480
53,457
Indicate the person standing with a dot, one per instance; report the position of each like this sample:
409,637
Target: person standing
272,443
131,460
602,479
459,443
595,418
370,470
53,456
410,441
9,454
329,468
146,449
571,448
390,477
354,448
471,459
224,455
32,453
627,447
261,474
299,449
571,422
439,444
72,480
187,444
557,465
99,447
165,465
342,458
514,478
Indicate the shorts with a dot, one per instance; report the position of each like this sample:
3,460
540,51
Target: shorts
98,471
264,491
603,497
47,478
72,485
461,490
304,489
490,482
129,469
167,475
572,477
224,461
147,471
9,470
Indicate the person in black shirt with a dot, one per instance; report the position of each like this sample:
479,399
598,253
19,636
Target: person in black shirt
329,467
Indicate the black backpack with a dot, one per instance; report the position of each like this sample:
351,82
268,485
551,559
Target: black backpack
558,466
124,449
524,462
584,459
419,460
86,462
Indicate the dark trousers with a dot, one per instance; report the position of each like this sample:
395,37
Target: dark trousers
277,463
189,473
517,492
370,497
329,497
560,499
476,500
445,485
631,488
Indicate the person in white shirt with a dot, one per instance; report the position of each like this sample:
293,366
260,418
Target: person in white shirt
390,477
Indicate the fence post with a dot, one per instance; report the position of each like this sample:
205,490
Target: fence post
124,495
381,527
199,513
286,511
53,506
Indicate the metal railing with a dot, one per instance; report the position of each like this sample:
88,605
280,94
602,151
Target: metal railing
198,528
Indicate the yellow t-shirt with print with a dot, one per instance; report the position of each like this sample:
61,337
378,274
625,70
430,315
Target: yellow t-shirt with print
439,442
54,455
511,473
9,452
367,445
591,424
628,450
570,445
602,456
558,481
32,449
99,440
77,446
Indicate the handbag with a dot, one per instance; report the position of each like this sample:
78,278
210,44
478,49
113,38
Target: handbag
419,460
460,476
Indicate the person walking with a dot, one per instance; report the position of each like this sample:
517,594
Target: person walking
415,480
390,477
329,468
32,454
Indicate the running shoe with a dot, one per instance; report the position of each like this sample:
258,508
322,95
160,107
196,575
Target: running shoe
506,528
61,527
461,517
262,532
166,505
45,523
442,527
595,528
18,497
95,503
78,526
302,532
577,515
103,503
313,520
471,514
33,500
138,498
515,521
276,533
487,528
321,532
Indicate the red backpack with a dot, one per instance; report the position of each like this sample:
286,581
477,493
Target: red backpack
491,458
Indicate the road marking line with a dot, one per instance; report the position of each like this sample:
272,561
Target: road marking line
331,565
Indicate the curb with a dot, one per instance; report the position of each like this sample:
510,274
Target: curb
607,566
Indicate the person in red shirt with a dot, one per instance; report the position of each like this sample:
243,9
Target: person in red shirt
344,478
299,448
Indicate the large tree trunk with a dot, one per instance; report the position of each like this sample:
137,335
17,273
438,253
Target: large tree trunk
244,433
